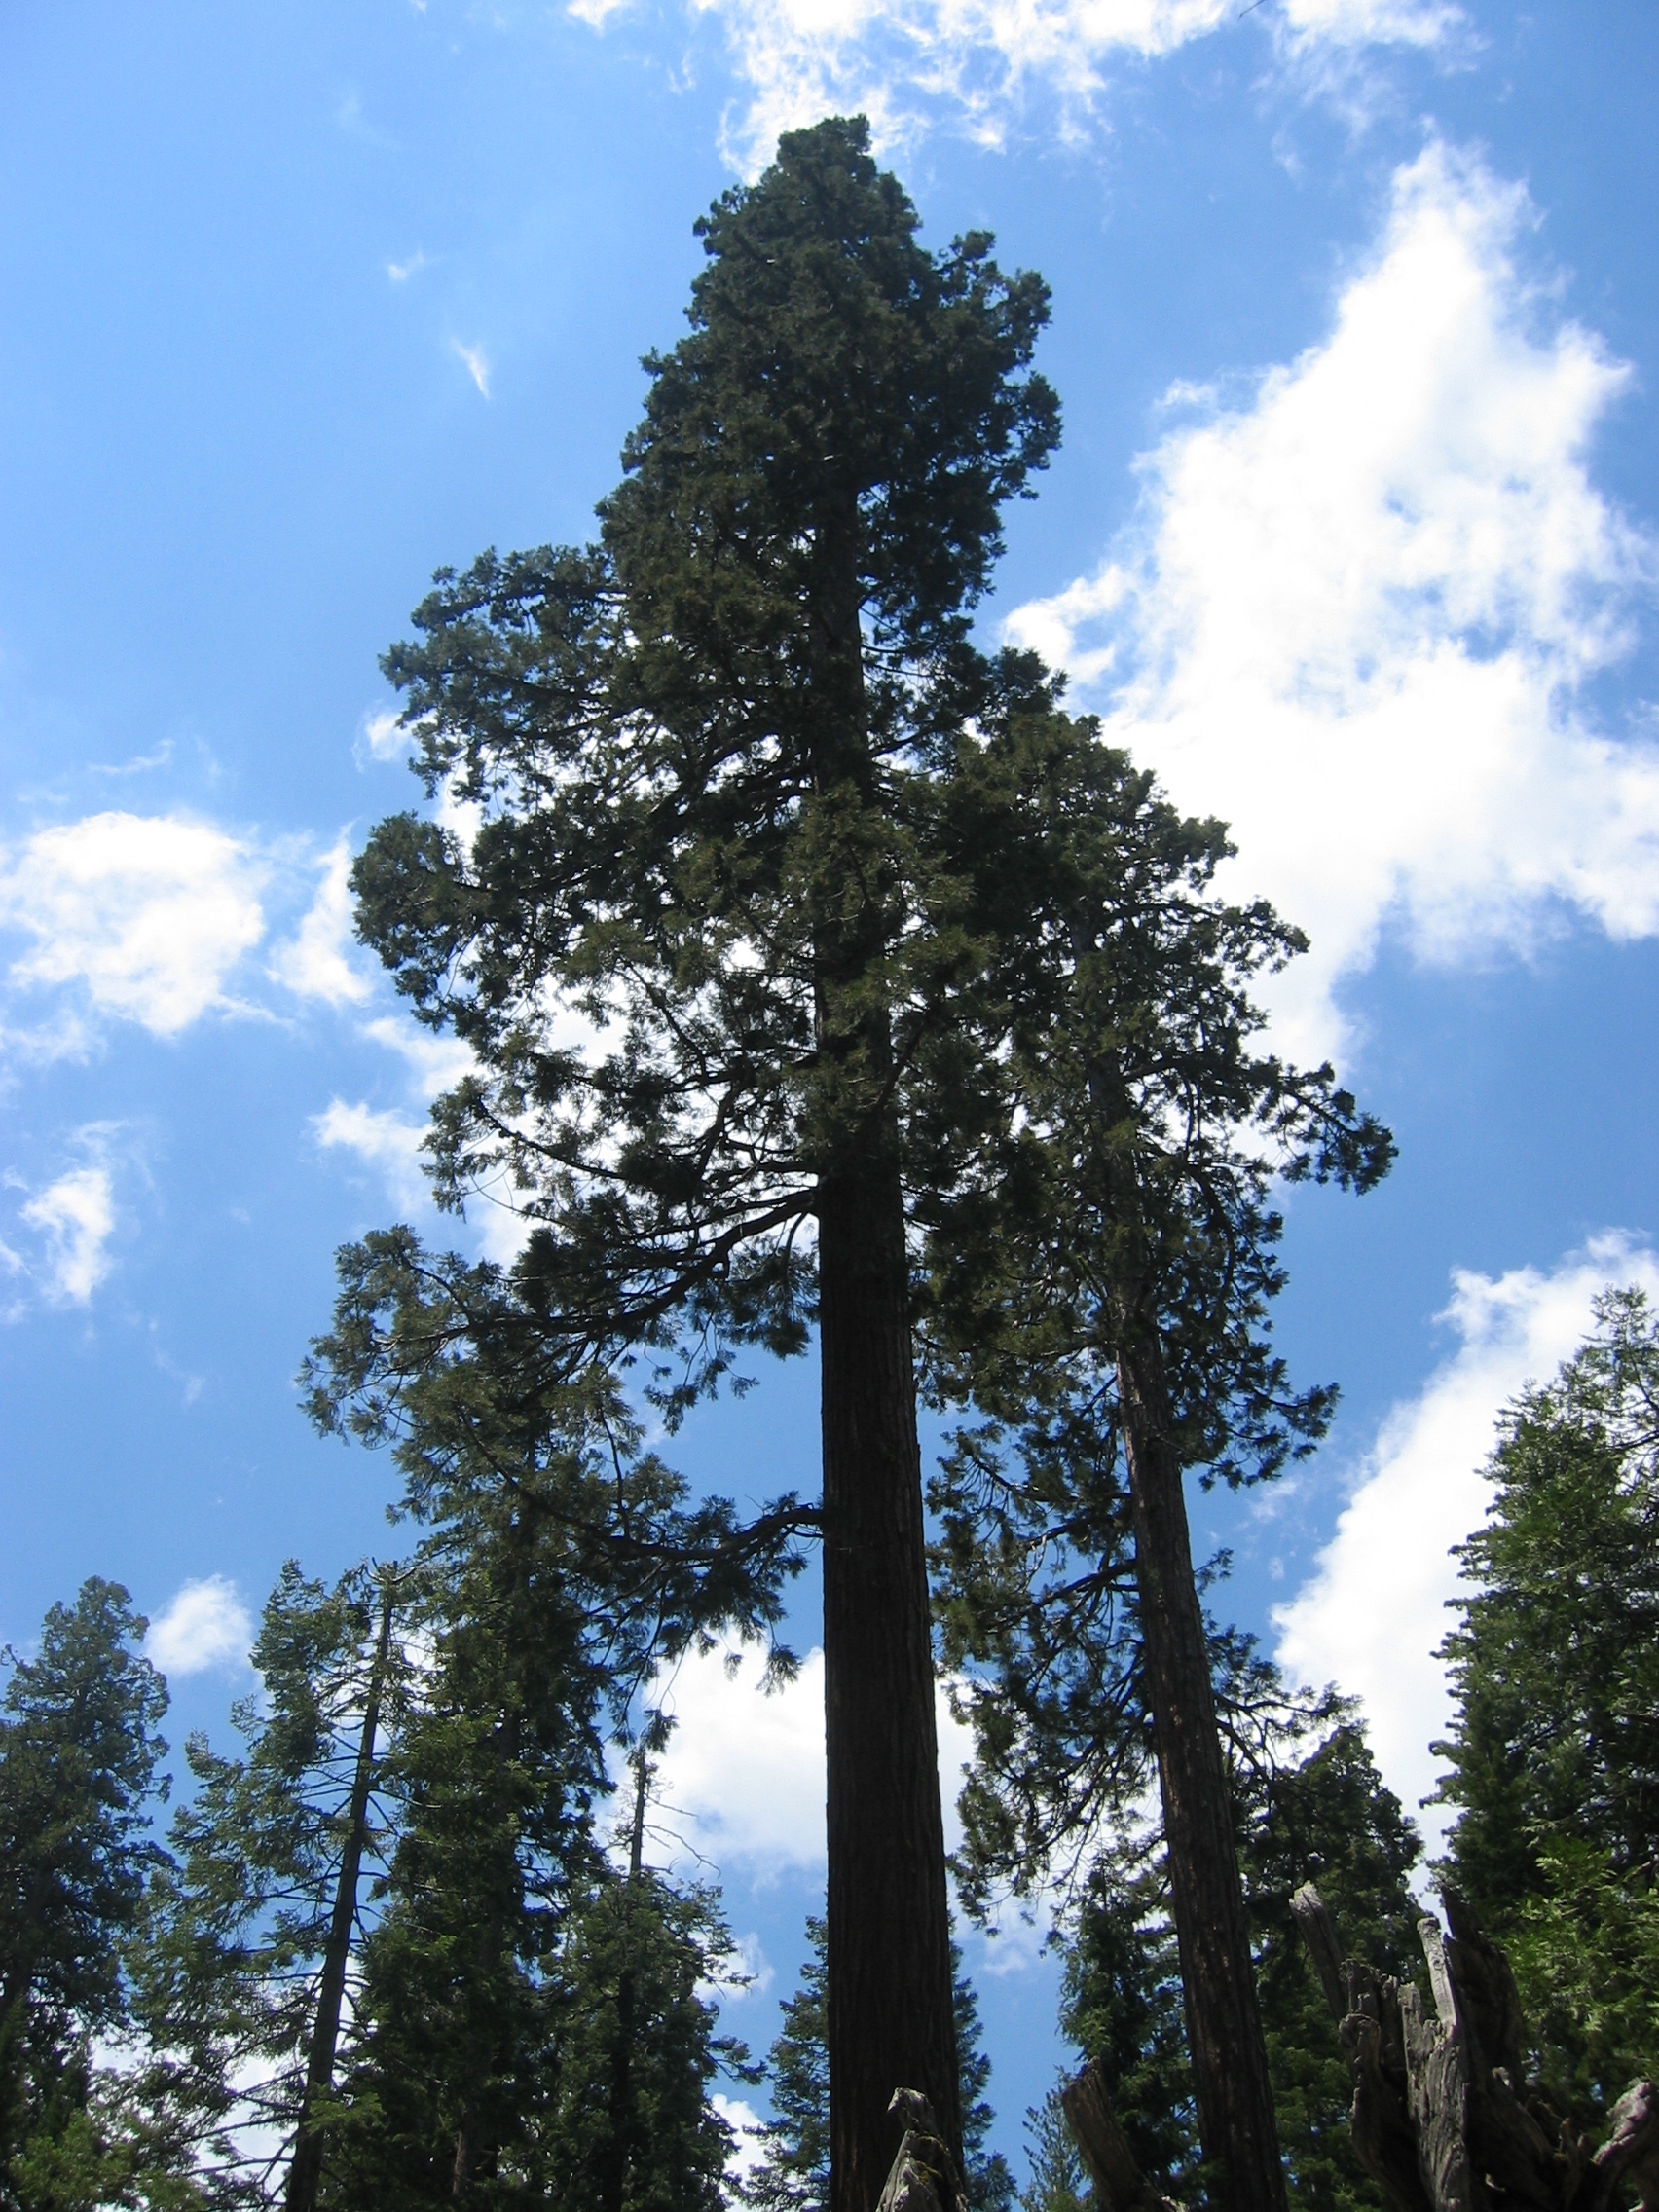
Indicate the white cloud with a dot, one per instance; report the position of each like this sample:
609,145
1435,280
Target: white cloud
1358,612
748,2131
141,764
752,1970
1370,22
743,1775
206,1625
477,366
313,964
76,1216
383,734
900,61
149,914
1374,1613
401,272
436,1061
383,1139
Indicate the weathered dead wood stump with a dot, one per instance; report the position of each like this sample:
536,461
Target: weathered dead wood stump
1120,2185
924,2176
1444,2118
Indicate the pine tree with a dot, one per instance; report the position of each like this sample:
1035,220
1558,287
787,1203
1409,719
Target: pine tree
634,2128
1555,1748
1103,1281
1057,2180
561,1564
497,1768
244,1976
701,752
794,2174
79,1753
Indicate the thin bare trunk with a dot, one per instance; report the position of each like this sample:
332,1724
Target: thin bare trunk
305,2170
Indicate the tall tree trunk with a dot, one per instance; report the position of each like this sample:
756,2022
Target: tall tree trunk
305,2170
888,2009
889,2017
1223,2028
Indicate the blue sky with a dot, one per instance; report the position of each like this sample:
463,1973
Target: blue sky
1352,537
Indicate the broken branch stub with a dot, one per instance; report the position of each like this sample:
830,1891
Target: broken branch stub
923,2177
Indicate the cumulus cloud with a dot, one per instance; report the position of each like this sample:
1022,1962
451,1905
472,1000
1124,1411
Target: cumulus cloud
1358,611
748,2131
1373,1614
900,61
148,915
313,964
206,1625
743,1775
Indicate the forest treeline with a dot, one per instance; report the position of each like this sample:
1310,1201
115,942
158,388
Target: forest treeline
824,983
530,2009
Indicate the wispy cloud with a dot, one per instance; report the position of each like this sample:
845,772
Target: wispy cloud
401,272
313,963
383,1139
206,1625
907,63
75,1216
478,367
1357,614
142,763
1373,1614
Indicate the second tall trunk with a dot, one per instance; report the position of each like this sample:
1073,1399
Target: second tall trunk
1223,2030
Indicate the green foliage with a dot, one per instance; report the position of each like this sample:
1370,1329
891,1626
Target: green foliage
633,2130
700,751
1056,2180
1119,1196
449,1364
793,2175
1120,2004
516,2063
560,1565
1325,1818
495,1774
1555,1748
226,1979
79,1749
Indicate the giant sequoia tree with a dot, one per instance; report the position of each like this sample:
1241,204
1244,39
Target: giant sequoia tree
701,940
